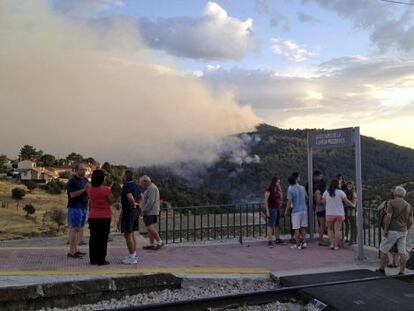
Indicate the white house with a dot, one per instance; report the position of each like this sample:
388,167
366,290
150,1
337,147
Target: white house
26,165
29,171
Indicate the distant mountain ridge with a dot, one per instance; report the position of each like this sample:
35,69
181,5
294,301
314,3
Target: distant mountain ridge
283,151
242,175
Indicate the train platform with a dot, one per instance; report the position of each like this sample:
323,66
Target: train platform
44,260
358,290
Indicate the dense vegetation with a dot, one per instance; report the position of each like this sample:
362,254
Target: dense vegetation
284,151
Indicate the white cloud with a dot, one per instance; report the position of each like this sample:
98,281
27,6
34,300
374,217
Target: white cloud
290,50
391,25
214,35
306,18
275,18
81,7
211,68
347,91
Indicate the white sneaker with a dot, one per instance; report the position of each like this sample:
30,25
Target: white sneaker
294,247
304,245
130,260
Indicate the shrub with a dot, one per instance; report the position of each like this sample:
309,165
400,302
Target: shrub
18,193
65,174
30,185
29,209
53,188
116,190
61,184
58,216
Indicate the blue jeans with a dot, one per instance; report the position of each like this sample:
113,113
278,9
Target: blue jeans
274,217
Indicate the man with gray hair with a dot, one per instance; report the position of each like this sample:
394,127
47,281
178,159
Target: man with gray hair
150,209
397,221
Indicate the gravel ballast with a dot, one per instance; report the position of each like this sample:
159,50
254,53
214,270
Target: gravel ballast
194,288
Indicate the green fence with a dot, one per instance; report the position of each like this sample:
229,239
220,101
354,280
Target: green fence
218,222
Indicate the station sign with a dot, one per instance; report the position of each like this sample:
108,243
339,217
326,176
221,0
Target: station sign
331,138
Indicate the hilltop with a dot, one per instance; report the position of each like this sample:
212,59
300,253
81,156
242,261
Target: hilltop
268,151
282,152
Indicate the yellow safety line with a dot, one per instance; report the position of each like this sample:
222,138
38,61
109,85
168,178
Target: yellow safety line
137,271
23,248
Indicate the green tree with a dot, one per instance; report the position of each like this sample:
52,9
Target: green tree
74,157
29,209
61,162
3,160
28,152
18,193
47,160
116,190
107,167
30,185
58,216
65,174
53,188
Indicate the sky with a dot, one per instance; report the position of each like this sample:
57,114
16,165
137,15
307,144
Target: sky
200,70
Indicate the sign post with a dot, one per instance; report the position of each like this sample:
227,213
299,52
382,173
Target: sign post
345,137
360,211
311,215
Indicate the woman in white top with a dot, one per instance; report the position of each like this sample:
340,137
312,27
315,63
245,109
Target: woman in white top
334,200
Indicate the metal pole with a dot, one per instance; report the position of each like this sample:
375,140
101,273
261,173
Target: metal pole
311,215
360,211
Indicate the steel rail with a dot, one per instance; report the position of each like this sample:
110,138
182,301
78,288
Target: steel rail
249,298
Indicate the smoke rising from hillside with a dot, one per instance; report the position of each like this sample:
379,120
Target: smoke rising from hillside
92,87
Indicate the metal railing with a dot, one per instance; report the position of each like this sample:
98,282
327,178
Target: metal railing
372,228
236,221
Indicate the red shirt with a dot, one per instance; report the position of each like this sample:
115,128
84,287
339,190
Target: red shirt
276,202
99,206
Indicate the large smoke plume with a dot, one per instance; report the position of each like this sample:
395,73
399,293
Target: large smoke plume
67,84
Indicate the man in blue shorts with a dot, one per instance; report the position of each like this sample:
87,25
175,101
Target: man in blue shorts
77,208
297,203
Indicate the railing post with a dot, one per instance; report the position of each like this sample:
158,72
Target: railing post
241,220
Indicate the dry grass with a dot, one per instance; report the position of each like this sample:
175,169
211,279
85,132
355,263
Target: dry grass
14,224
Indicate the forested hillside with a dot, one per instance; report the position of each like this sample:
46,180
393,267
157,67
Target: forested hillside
280,152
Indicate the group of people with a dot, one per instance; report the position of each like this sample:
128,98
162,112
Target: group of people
333,206
92,202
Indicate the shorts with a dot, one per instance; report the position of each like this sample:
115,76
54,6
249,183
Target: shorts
274,217
394,237
129,220
335,218
299,220
410,240
321,214
150,219
77,217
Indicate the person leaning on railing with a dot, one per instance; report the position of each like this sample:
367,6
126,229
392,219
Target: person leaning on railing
397,221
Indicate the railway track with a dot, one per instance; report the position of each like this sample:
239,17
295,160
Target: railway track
251,298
